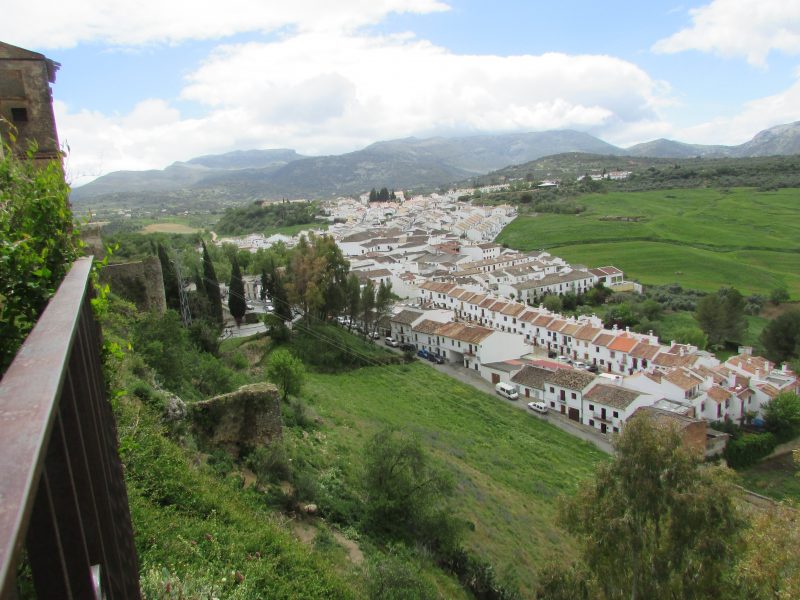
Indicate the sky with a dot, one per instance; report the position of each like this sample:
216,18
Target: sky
145,84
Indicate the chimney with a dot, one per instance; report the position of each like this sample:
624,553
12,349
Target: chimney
758,373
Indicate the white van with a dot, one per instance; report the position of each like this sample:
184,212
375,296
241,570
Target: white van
506,390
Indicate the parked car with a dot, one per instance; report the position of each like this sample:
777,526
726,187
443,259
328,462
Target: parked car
375,335
592,368
551,354
390,341
250,307
539,407
506,390
436,358
579,365
408,347
422,353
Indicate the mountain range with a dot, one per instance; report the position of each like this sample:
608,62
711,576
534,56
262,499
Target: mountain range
410,163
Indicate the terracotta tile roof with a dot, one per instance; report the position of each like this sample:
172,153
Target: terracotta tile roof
682,379
572,379
426,326
667,359
498,306
623,343
645,351
406,317
441,288
513,309
528,316
488,302
611,395
603,339
556,324
570,329
472,334
751,364
768,389
717,394
531,376
542,320
587,333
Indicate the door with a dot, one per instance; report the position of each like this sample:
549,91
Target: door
603,414
563,409
603,427
527,393
495,378
574,414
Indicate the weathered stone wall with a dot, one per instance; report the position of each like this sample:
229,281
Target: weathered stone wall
140,282
26,100
246,418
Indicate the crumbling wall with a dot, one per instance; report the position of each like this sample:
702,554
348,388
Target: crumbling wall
246,418
140,282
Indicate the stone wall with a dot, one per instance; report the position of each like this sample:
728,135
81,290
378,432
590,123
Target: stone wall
246,418
140,282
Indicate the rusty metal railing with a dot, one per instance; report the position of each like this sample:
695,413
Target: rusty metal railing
62,492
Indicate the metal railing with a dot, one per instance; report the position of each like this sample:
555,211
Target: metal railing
62,492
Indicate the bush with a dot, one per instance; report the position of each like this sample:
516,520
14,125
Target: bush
37,244
748,449
270,463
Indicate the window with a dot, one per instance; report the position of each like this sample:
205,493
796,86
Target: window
702,407
616,415
573,395
552,405
591,422
552,390
616,429
591,407
19,115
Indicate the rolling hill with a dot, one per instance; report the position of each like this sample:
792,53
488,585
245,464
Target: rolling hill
410,163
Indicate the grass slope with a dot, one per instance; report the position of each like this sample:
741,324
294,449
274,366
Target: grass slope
510,467
700,238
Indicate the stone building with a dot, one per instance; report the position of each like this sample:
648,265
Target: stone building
26,102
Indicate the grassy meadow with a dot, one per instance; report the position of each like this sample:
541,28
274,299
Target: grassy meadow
700,238
510,467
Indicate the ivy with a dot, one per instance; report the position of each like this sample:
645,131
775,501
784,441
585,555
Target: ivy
38,242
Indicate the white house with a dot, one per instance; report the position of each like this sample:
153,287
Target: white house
607,407
564,390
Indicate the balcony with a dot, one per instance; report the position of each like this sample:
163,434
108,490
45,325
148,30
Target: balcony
62,491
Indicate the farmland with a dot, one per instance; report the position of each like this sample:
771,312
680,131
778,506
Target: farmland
699,238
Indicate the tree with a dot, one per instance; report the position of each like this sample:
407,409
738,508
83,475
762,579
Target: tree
170,277
769,568
721,316
552,302
353,294
236,302
654,523
285,371
367,304
779,295
781,337
692,336
782,416
211,285
384,299
406,496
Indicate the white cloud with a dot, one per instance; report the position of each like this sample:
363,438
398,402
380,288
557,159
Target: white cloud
125,23
328,92
756,115
740,28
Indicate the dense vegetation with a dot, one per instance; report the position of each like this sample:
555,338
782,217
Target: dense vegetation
258,218
700,239
37,244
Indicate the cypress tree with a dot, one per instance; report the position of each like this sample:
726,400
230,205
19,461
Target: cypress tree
211,286
170,276
236,302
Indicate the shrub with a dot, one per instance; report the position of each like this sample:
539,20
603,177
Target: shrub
270,463
37,244
748,449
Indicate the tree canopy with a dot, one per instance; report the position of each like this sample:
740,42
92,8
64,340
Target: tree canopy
781,337
721,316
286,372
655,523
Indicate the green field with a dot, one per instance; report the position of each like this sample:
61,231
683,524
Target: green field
700,238
777,478
509,466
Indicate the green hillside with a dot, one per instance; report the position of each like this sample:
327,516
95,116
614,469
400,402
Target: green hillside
700,238
510,467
